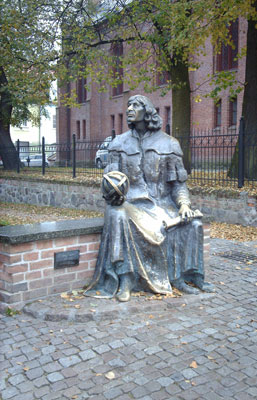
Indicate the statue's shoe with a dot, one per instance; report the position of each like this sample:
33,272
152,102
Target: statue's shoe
183,287
123,295
207,287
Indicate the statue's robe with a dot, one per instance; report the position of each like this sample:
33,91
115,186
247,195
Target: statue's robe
144,236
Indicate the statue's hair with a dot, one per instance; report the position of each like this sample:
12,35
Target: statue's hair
152,118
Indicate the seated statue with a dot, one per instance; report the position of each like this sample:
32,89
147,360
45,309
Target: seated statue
152,240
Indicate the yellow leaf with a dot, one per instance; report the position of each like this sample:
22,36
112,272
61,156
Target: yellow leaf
64,295
110,375
193,364
26,368
77,306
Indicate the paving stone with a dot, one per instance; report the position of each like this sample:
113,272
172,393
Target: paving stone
85,355
112,393
34,373
39,393
16,379
54,377
9,393
148,361
69,361
165,381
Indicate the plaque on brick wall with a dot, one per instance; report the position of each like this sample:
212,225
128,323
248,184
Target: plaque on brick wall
65,259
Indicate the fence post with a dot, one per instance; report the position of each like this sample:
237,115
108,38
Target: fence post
168,129
18,156
241,153
74,155
43,156
113,134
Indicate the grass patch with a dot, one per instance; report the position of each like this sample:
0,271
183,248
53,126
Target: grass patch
3,222
19,214
208,180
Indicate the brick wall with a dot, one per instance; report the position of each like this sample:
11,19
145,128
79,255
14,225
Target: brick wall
27,269
99,107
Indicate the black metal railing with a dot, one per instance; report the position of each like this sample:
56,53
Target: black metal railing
224,157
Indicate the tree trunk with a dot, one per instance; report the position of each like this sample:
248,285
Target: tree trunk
181,109
249,111
8,152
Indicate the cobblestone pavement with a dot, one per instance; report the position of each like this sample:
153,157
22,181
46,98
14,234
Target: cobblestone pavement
200,349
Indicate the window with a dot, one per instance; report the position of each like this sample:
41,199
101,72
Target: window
120,123
112,121
81,90
78,129
54,121
226,59
117,52
233,112
217,114
167,116
84,129
163,78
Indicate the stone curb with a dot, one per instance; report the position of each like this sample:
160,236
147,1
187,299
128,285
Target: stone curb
51,310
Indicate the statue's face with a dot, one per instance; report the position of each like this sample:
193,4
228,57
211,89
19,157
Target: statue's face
135,111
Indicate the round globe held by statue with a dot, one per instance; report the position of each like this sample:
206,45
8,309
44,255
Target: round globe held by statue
115,186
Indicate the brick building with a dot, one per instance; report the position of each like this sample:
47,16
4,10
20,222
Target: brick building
99,113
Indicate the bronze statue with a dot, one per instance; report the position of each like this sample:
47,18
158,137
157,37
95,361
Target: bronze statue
151,240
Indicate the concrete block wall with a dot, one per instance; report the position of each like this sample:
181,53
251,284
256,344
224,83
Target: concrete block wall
221,205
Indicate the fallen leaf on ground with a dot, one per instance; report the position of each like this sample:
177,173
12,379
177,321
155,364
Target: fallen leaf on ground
110,375
64,295
193,364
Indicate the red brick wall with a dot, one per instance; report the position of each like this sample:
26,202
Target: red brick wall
100,106
27,270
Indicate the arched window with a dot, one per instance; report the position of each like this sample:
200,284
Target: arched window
81,90
117,52
227,60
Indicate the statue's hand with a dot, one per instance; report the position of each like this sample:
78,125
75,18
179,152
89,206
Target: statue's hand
115,200
186,213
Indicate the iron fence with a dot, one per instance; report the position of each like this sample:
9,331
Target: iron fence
225,157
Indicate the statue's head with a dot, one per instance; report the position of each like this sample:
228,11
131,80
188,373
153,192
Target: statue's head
151,117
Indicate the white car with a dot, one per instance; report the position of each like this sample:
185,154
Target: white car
101,157
35,160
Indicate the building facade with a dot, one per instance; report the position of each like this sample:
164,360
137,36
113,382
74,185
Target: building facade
98,114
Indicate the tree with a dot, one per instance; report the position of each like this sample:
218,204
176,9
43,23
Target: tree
27,41
249,111
70,39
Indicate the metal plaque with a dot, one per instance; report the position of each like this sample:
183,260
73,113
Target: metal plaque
65,259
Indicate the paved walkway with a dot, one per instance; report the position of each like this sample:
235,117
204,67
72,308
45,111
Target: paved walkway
190,347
